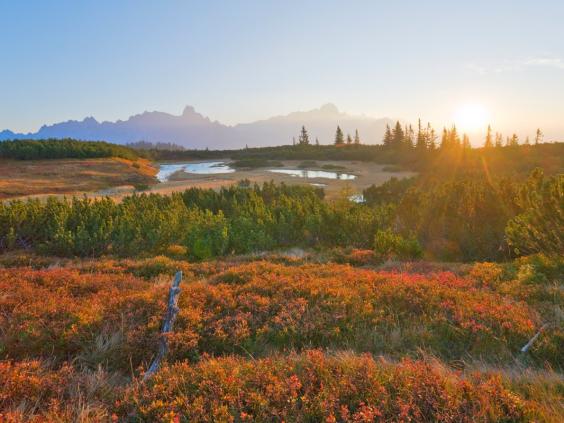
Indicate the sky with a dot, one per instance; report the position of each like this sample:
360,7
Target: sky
239,61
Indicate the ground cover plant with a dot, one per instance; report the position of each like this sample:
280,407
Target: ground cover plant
256,339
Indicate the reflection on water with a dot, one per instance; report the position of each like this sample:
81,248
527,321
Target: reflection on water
318,185
206,168
304,173
357,198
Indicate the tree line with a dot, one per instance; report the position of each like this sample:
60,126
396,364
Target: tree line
63,149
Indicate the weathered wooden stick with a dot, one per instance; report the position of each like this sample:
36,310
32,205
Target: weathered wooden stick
171,312
533,339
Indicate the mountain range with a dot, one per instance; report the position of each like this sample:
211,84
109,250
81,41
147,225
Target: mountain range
193,130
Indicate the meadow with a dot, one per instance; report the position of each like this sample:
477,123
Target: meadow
39,178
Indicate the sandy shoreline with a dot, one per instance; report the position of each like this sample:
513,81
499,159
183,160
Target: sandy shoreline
366,174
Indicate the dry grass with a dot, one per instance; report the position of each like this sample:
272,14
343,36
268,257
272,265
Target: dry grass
366,175
70,176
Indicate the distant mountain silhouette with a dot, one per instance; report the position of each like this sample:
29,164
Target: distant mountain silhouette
192,130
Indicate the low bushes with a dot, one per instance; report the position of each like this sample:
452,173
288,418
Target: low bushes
316,387
114,317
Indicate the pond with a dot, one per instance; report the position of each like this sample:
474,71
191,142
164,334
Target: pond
310,174
357,198
205,168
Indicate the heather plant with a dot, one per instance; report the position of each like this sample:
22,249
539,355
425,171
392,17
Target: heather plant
316,387
103,311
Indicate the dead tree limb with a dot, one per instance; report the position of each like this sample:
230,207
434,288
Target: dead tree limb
533,339
171,312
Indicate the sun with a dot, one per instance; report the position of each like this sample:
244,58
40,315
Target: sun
471,117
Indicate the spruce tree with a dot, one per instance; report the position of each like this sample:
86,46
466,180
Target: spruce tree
431,138
304,137
421,142
349,139
488,143
387,141
445,139
409,135
538,137
339,138
454,138
356,137
498,140
398,135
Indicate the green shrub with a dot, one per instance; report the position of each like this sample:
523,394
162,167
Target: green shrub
389,244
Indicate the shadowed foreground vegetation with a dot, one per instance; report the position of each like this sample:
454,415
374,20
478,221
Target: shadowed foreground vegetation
281,338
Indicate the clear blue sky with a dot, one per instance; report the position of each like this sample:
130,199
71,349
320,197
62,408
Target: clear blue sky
237,61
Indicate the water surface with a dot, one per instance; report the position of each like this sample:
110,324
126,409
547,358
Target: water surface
310,174
357,198
204,168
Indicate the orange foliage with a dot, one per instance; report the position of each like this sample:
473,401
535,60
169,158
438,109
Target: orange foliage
254,307
63,329
313,386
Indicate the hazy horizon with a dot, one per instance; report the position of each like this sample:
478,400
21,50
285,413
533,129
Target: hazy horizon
467,64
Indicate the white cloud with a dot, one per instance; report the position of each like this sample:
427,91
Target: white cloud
554,62
517,65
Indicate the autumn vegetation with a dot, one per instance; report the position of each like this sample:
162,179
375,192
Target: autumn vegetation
278,338
412,306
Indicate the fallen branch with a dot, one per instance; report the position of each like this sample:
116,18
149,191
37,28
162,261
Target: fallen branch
533,339
171,312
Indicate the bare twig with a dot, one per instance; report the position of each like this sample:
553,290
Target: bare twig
171,312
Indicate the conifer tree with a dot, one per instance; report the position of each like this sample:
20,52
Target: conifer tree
514,140
527,141
489,142
304,137
498,140
398,135
538,137
317,141
387,141
339,138
349,139
421,142
454,140
445,139
409,135
431,138
356,137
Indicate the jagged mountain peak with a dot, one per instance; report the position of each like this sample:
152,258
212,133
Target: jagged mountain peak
193,130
